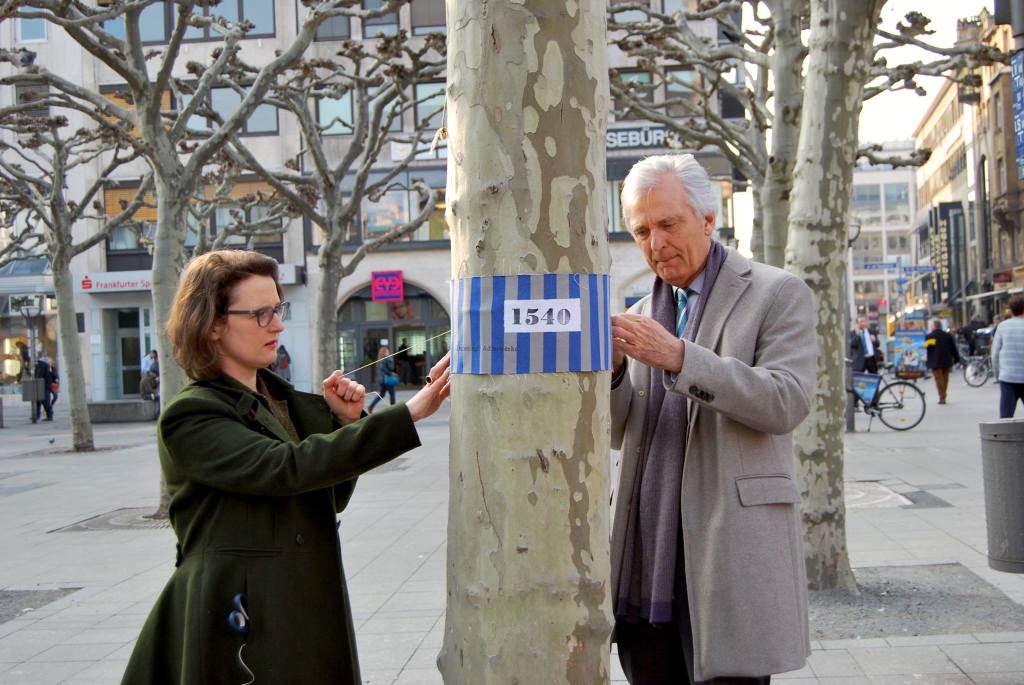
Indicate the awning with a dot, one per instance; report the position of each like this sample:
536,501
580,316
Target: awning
993,293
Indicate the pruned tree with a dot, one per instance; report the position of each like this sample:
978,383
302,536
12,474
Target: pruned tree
36,156
844,66
379,87
758,63
158,125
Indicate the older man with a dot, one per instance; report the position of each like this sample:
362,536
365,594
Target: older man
712,373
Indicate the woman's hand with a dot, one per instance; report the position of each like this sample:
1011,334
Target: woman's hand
345,397
429,398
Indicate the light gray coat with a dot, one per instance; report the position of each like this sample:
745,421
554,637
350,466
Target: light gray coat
750,378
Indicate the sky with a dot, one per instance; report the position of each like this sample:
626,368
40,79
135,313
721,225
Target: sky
894,116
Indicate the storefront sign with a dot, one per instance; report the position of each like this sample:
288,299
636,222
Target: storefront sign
114,281
1017,85
638,137
1002,277
387,286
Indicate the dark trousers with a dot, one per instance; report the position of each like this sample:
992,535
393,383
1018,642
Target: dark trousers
663,654
871,364
941,381
381,391
44,405
1009,393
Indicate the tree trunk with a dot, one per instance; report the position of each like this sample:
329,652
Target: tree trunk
326,345
72,376
786,66
528,526
168,245
840,50
756,225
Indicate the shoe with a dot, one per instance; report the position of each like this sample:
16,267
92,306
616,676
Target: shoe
48,418
942,401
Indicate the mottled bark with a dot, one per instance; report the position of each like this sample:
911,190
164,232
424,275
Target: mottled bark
756,225
528,557
71,373
786,61
839,58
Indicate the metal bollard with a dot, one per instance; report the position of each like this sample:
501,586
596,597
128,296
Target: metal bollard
1002,455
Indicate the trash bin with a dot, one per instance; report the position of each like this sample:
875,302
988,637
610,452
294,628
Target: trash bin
1002,462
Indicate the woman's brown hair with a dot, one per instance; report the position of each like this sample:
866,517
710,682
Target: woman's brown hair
205,292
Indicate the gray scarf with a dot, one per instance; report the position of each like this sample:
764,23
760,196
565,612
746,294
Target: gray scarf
649,556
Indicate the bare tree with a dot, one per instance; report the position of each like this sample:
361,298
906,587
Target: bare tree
380,87
528,538
36,156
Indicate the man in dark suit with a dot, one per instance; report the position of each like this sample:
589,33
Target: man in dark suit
863,345
942,354
46,372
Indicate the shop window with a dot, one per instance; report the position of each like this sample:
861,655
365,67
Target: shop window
31,30
335,115
334,28
427,16
386,25
616,224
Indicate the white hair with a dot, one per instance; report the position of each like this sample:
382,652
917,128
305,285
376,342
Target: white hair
646,173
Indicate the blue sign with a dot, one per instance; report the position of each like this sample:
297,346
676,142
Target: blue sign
920,269
866,386
880,265
1017,81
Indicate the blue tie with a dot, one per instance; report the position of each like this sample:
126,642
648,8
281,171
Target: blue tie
681,295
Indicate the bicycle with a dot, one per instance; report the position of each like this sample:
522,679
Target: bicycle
977,370
900,405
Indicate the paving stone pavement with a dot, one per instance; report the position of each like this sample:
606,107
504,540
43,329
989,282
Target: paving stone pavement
393,537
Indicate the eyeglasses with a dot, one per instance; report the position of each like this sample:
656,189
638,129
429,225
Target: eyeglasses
264,315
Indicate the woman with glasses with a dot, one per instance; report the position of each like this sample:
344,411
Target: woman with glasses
257,472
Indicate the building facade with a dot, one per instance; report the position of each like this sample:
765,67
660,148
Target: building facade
112,280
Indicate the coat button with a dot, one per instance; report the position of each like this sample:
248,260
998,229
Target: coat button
694,390
642,393
299,539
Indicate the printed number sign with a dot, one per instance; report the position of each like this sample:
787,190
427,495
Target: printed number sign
547,323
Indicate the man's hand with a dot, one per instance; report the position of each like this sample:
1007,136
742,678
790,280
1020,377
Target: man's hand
646,341
429,398
344,396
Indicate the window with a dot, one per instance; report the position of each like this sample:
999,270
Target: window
226,215
25,95
335,114
670,6
430,107
679,85
897,243
259,12
436,227
333,28
382,216
31,30
616,224
155,23
1001,170
427,17
866,205
629,15
395,104
897,203
642,90
386,25
997,112
262,121
129,238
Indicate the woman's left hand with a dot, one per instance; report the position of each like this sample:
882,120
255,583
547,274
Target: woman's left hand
344,396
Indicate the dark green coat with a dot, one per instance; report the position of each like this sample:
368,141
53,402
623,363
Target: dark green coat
254,512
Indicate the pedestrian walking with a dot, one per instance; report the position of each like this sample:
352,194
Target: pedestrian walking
388,378
708,580
151,362
863,345
256,472
1008,358
25,359
44,371
942,355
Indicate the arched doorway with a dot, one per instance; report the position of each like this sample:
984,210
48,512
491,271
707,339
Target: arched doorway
417,328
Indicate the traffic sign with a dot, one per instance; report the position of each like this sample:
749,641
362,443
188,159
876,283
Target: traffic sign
920,269
880,265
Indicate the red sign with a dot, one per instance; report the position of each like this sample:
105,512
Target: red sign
1002,277
387,286
86,283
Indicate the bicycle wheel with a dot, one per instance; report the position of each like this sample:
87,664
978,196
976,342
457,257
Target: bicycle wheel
900,405
976,374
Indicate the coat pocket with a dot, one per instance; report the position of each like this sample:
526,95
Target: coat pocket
767,489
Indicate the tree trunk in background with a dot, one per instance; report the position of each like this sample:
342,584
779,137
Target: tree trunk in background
528,546
786,65
325,345
756,225
72,378
840,52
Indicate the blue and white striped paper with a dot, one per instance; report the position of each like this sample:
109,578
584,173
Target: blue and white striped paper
480,344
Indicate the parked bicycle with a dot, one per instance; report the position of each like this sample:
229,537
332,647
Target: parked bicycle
900,405
977,370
